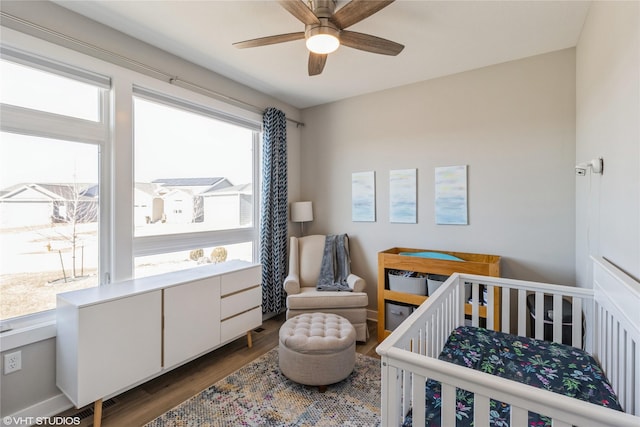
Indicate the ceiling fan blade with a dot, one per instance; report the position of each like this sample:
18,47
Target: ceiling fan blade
370,43
316,63
264,41
357,10
300,10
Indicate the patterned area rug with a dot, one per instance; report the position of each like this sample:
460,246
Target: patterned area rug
259,395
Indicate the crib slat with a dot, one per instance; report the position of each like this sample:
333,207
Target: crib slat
490,309
522,313
418,400
558,423
406,391
390,396
601,338
437,321
475,304
608,349
448,411
458,304
598,346
576,328
630,388
519,416
506,310
539,310
633,374
480,411
616,354
558,316
433,351
454,310
445,313
623,391
446,318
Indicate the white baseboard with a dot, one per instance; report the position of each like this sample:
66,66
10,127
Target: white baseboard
372,315
47,408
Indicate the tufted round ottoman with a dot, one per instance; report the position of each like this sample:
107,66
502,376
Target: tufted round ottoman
317,349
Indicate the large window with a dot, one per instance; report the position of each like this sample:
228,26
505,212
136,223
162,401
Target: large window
107,175
53,127
194,185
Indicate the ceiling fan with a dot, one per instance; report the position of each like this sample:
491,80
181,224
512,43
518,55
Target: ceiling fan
325,29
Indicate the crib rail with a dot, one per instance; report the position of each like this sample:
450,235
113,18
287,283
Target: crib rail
617,331
409,354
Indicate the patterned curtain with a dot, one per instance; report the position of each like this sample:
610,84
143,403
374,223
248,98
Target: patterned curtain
273,218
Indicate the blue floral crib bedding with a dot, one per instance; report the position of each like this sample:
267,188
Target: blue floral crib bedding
551,366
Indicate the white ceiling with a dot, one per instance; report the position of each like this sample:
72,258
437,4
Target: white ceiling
440,38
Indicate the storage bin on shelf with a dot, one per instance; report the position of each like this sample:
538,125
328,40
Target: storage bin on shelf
396,313
409,282
434,281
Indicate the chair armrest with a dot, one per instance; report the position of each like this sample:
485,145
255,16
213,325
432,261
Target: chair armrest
356,283
292,284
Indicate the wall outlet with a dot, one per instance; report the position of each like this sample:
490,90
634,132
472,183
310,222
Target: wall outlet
12,362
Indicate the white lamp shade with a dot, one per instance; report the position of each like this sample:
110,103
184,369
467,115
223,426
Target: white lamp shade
301,211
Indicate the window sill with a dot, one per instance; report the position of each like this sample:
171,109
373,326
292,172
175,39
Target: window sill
28,330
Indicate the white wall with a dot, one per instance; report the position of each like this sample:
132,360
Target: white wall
513,124
32,391
608,126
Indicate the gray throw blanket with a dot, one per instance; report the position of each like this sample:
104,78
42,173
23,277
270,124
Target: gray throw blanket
335,266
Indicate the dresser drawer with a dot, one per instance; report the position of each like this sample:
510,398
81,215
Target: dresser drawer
240,324
240,302
239,280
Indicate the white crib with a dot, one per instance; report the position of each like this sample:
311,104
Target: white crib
611,313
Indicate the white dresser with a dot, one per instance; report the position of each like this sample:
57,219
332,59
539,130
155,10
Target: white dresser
112,338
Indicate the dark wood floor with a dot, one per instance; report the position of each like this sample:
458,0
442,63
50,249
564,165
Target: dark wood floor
150,400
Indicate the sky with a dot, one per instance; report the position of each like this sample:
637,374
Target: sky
25,159
175,144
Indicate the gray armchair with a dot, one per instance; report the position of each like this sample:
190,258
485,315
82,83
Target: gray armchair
305,259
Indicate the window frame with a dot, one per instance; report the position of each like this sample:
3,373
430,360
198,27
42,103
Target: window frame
42,124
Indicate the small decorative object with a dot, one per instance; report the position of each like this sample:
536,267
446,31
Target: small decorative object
302,212
218,254
451,195
196,254
402,196
363,196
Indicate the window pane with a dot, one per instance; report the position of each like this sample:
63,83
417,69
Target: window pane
192,172
48,221
39,90
182,260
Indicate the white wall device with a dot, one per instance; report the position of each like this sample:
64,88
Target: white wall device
596,166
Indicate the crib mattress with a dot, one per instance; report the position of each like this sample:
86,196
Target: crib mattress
551,366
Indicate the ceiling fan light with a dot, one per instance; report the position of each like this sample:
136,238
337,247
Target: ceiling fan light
323,43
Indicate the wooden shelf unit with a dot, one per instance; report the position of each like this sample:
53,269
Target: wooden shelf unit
482,264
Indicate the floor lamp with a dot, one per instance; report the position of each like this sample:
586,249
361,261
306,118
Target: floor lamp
301,212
